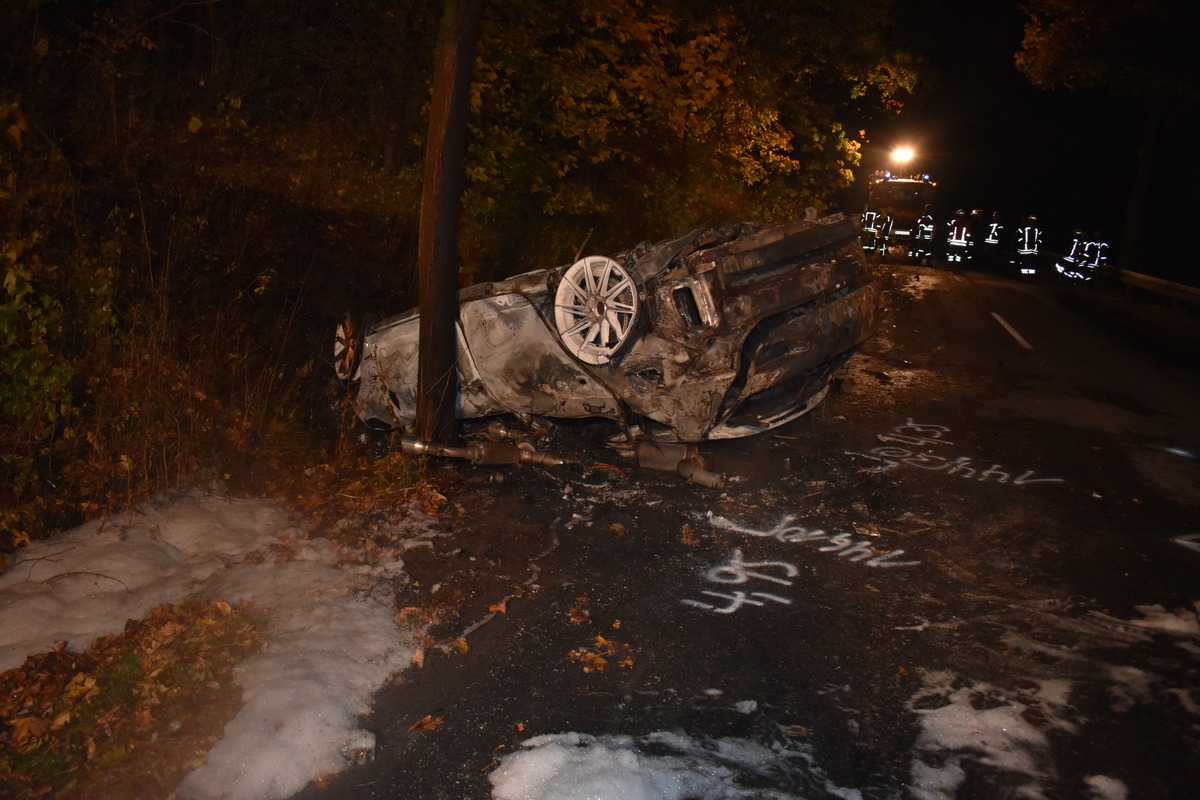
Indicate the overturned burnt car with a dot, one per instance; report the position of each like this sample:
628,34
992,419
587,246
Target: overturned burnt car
721,333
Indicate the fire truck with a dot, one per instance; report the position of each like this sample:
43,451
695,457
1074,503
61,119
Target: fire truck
904,198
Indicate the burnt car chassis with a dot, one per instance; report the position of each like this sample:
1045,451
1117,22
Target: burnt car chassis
722,333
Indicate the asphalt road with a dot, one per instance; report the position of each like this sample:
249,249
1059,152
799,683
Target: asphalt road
972,572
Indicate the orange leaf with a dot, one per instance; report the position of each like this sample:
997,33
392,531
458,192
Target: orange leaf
25,728
427,723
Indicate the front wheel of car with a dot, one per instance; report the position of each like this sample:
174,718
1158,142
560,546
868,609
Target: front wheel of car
596,309
347,349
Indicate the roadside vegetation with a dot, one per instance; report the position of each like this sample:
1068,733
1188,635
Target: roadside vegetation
133,714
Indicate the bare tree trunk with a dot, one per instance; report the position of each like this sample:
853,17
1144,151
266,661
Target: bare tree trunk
441,209
1131,236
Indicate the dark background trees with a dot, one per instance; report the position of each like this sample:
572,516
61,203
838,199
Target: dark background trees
640,120
1143,52
1066,145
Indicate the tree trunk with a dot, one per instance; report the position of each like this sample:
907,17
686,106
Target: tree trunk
1131,249
441,208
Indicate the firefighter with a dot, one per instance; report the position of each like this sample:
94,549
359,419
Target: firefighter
977,229
993,239
884,236
1073,263
870,230
1027,245
1095,253
958,238
922,249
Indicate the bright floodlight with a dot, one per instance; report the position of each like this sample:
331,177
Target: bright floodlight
902,155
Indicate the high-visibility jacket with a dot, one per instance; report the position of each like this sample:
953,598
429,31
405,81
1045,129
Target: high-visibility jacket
869,221
1029,240
1095,254
925,227
995,232
885,225
959,233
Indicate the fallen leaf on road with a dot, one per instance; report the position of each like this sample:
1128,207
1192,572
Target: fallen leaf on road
499,607
612,468
591,661
427,723
595,658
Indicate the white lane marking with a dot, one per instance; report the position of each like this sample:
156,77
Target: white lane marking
1012,331
1191,541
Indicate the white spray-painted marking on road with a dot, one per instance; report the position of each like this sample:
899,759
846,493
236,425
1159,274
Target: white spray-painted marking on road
738,571
923,436
737,600
842,545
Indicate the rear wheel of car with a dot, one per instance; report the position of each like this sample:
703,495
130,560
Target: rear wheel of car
596,309
347,349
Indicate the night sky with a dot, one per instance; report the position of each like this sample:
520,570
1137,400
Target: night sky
993,141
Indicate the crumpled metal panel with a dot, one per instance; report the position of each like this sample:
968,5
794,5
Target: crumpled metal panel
805,341
664,382
522,364
388,388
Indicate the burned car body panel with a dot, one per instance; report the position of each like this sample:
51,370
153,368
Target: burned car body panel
724,332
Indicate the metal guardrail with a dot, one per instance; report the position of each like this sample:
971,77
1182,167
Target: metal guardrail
1175,291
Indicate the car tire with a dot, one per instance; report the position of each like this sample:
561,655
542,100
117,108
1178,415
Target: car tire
347,349
597,308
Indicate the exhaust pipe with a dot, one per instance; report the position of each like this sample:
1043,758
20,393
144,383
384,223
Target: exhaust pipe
683,459
484,453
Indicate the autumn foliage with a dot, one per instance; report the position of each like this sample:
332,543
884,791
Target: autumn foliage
131,715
